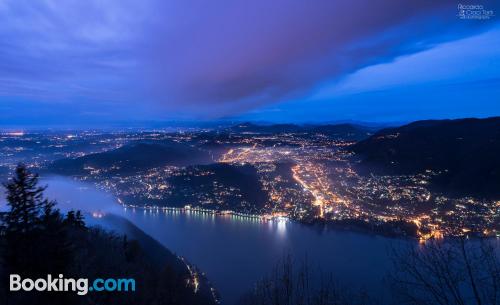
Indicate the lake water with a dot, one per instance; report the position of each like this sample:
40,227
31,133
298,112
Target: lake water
235,252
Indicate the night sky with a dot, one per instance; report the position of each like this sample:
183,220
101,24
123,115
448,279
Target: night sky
92,63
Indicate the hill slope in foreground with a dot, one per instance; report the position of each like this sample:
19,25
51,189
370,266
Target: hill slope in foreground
466,152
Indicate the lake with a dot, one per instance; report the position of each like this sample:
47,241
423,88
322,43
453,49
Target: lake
236,252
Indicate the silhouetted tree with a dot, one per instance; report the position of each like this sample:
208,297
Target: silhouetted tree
75,219
450,272
36,240
79,219
297,284
27,205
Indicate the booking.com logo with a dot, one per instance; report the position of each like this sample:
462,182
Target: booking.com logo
80,286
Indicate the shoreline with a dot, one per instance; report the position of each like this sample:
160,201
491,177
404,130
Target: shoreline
387,229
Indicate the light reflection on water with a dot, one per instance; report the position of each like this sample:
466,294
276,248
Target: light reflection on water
235,251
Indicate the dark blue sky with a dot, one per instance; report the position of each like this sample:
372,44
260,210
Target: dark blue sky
92,63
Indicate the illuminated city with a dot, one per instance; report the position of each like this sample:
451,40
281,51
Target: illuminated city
305,177
262,152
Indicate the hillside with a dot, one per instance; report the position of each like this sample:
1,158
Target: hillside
339,131
132,158
217,186
156,253
37,239
465,151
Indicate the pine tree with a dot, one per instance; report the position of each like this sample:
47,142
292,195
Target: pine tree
34,235
27,204
79,219
70,218
36,241
75,219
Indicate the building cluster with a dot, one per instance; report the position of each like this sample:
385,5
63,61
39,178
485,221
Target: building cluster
305,177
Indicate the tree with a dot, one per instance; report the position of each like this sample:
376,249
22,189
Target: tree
28,207
79,219
449,272
298,284
35,238
75,219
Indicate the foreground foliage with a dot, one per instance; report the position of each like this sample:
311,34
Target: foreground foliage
36,239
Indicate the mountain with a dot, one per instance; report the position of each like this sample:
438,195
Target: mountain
340,131
465,151
132,158
218,186
157,254
257,128
213,180
344,131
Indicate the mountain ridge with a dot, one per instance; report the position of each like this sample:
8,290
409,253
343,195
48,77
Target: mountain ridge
465,151
131,158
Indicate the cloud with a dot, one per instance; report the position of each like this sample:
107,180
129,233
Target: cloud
206,58
477,61
62,51
228,57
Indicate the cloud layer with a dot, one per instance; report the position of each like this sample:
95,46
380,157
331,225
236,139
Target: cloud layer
196,58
